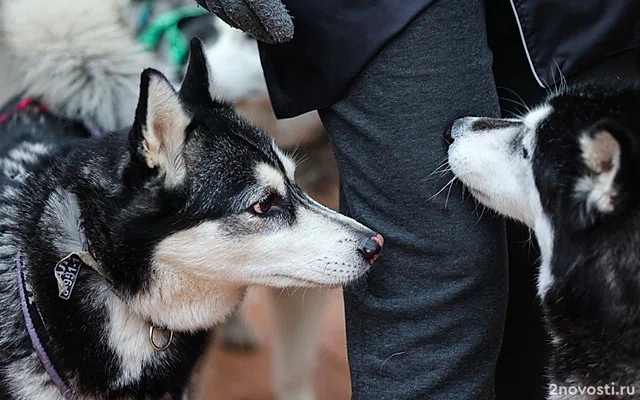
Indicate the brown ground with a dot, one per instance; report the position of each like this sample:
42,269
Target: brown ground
247,376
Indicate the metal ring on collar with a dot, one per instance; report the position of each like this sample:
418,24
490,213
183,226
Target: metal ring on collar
154,344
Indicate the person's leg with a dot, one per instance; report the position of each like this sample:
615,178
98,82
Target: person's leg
427,321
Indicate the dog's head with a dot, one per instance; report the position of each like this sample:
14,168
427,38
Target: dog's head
566,167
214,208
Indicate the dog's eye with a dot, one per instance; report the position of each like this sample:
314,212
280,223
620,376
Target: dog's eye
265,205
525,152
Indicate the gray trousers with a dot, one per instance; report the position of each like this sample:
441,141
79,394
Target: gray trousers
427,321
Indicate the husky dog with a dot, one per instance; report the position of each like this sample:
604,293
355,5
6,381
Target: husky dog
568,169
120,253
237,72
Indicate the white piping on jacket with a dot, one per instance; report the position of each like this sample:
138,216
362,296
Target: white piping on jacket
524,43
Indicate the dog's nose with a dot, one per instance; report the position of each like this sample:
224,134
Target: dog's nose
371,248
447,133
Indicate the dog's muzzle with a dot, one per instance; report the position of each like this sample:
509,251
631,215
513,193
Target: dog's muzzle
447,133
475,124
454,128
371,248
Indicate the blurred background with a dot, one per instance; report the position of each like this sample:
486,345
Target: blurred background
6,87
247,375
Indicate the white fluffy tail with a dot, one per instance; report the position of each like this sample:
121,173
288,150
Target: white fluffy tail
79,57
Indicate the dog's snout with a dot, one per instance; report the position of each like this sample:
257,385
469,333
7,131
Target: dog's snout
462,126
371,247
488,124
452,130
447,133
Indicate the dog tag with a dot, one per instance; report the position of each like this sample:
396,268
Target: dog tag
66,272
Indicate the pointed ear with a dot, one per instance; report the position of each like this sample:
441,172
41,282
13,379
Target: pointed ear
159,129
601,153
196,84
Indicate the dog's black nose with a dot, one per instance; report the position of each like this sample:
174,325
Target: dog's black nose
447,133
371,248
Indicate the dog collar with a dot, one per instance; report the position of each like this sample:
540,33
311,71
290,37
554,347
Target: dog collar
67,269
34,322
25,104
66,272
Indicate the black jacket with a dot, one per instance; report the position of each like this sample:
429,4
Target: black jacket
334,39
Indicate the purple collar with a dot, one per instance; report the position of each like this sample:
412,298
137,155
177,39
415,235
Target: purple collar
29,311
35,323
66,272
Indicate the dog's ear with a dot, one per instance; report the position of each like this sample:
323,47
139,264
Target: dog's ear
196,85
601,150
159,130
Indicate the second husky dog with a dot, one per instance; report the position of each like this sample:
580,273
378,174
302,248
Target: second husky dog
569,170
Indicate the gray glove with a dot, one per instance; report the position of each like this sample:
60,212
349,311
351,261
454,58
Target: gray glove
265,20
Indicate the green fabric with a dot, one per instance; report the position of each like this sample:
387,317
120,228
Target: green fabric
165,26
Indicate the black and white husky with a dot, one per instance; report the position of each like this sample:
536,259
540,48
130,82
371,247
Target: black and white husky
569,169
121,252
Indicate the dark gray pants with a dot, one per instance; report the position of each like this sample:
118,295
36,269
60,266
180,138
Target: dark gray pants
427,322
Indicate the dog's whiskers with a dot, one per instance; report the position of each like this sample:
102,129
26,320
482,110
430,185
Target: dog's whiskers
481,214
483,209
443,165
530,241
449,192
520,101
517,103
443,188
280,294
556,90
295,288
462,193
293,154
444,169
301,160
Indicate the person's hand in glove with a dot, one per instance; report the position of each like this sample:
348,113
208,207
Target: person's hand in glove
265,20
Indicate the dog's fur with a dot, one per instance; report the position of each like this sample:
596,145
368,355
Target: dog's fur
237,72
79,57
235,60
174,209
235,68
569,170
